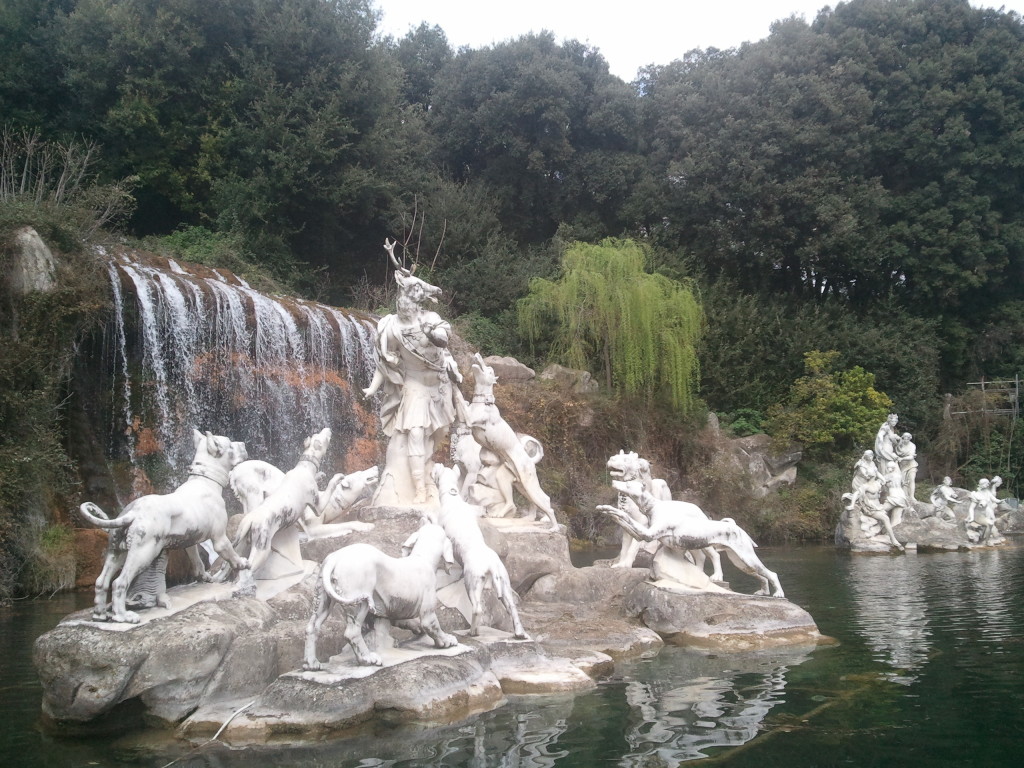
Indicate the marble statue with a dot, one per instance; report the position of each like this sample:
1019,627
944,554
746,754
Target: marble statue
482,569
490,481
416,375
979,498
379,590
282,508
906,457
684,526
885,443
943,497
981,513
252,481
867,500
495,435
863,469
629,466
192,513
349,491
896,499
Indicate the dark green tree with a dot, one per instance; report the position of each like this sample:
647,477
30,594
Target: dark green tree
422,54
874,154
545,127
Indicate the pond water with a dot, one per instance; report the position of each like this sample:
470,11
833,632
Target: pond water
928,671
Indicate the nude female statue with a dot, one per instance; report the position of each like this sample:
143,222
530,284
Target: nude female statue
885,443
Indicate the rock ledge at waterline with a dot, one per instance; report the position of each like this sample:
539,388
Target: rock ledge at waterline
195,666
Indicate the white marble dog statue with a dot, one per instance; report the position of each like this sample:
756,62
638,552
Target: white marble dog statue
282,507
496,480
373,587
681,525
192,513
494,434
629,466
253,480
345,494
482,568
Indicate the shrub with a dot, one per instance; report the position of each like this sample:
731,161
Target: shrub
829,410
50,566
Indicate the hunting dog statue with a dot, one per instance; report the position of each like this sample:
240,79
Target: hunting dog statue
482,569
281,508
252,481
348,491
629,466
373,587
494,435
192,513
681,525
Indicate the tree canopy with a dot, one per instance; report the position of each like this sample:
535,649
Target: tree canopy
865,167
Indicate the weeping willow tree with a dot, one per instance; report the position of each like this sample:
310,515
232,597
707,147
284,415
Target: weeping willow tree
607,313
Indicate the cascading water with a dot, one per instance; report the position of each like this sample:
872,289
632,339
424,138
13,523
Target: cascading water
194,347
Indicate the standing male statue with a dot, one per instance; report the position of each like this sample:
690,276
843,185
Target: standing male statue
416,376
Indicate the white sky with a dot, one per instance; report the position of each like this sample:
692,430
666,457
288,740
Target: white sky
628,33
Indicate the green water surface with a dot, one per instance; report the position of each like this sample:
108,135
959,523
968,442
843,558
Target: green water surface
928,671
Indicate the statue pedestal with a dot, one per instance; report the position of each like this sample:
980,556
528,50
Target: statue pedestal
671,565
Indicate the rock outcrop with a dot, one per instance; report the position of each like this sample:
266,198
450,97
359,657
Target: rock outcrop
213,659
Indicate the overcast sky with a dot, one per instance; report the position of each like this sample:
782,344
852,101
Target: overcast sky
629,33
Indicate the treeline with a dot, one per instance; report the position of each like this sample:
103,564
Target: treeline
853,183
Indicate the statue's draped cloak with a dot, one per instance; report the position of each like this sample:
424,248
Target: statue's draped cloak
417,391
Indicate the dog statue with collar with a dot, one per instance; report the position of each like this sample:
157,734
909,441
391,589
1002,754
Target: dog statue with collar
191,514
283,507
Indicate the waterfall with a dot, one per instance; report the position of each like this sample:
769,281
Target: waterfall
191,347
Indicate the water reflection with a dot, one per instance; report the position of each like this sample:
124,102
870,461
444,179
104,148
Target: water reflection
722,702
892,611
953,624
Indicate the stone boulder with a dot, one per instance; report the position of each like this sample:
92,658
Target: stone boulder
1010,517
418,682
33,268
508,369
171,665
760,461
570,378
725,621
529,550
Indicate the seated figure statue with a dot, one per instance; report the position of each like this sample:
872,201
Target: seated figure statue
861,473
867,501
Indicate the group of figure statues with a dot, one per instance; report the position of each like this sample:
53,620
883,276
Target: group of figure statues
417,380
884,488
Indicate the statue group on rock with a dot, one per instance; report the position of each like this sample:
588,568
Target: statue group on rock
417,381
882,507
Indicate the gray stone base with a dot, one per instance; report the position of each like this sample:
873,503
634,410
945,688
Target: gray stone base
418,683
215,660
719,621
